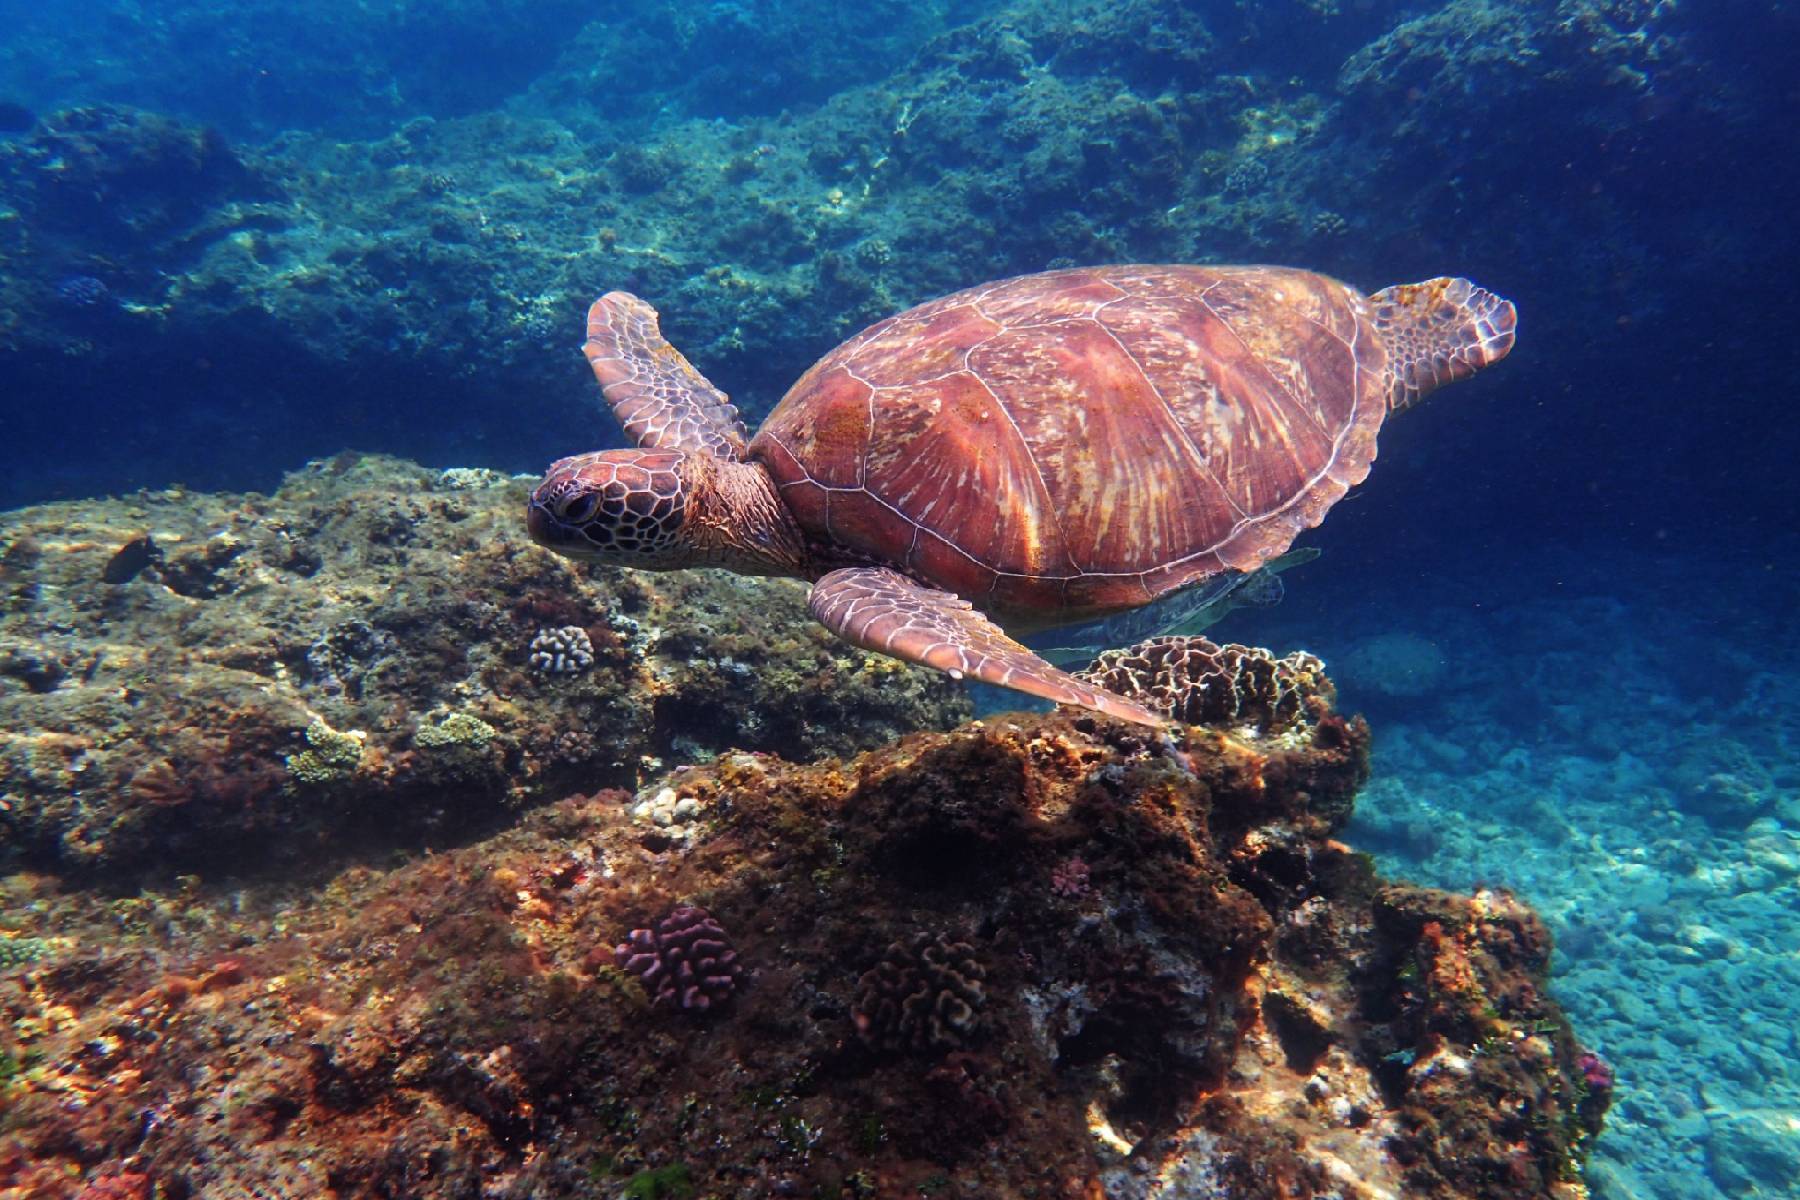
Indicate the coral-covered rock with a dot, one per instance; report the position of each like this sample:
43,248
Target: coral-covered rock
108,177
685,962
444,255
1199,682
364,653
1237,1007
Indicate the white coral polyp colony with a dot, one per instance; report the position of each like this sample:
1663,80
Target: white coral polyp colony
565,651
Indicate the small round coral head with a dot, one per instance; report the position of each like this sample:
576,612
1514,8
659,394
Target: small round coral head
616,506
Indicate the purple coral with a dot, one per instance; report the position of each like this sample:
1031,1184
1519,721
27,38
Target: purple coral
1596,1072
686,962
1069,878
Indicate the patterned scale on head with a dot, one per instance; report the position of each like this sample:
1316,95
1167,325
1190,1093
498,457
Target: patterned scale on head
628,506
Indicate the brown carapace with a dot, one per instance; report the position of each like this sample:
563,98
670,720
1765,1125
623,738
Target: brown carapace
1029,453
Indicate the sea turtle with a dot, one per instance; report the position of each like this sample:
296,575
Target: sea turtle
1039,451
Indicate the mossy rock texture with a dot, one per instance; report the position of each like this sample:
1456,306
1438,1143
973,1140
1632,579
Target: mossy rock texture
1233,1005
189,679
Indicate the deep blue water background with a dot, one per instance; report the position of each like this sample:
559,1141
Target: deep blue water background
1566,596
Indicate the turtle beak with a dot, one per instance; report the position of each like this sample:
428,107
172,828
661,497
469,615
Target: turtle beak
540,524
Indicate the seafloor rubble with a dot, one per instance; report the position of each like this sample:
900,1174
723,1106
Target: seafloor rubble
374,652
1048,956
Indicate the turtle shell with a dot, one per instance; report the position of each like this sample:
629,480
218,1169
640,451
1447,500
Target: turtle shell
1082,441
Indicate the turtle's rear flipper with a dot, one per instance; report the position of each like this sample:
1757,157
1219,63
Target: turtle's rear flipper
883,610
1439,331
663,403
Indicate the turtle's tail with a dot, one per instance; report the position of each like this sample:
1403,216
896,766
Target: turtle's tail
1439,331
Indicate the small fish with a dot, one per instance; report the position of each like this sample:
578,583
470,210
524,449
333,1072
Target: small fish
130,560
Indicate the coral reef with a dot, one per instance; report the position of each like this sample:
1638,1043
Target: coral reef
379,65
238,67
685,962
1238,1005
448,255
925,995
1199,682
347,659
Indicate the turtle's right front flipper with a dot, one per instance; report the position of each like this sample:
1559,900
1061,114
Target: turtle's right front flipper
663,403
884,611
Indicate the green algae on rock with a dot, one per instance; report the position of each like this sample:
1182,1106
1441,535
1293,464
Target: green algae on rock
1038,135
353,654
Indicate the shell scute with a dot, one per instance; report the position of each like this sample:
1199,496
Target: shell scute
944,561
857,518
1041,299
950,458
1305,330
1099,593
1084,440
1118,471
827,438
916,346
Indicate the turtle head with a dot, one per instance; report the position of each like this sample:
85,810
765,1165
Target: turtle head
1438,332
627,507
662,510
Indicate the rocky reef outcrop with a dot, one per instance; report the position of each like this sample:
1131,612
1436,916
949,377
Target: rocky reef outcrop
390,288
1231,1003
376,653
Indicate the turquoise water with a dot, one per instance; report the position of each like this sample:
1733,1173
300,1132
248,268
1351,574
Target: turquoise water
1620,749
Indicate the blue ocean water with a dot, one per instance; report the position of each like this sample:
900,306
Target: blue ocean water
237,235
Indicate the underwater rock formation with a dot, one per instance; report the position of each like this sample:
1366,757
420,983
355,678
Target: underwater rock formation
193,679
450,257
1235,1005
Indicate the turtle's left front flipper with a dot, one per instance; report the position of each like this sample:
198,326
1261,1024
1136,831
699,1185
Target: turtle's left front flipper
663,403
883,610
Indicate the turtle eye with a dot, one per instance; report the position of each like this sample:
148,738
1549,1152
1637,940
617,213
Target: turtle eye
578,508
